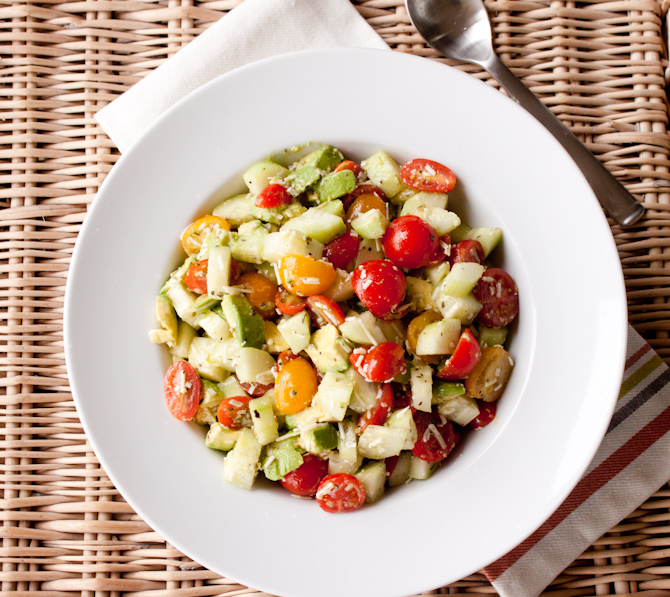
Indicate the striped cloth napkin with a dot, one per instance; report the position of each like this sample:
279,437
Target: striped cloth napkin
632,462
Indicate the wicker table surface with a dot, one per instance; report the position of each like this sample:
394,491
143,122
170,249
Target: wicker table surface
599,65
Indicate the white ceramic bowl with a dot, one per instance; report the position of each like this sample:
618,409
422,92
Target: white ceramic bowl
568,344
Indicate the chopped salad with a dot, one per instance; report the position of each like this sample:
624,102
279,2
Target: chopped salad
336,327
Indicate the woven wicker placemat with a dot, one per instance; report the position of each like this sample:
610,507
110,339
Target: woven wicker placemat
599,65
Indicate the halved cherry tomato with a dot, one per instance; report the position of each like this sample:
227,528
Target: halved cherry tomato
325,309
436,436
234,412
192,237
262,292
429,176
499,296
288,303
490,376
349,165
285,356
487,412
340,492
379,412
295,386
402,395
443,250
381,363
182,390
362,189
463,360
410,242
305,276
306,478
391,463
196,277
256,389
467,251
380,285
273,195
341,251
363,204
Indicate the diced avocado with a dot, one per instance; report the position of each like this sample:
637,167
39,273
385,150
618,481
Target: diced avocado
167,317
365,394
182,300
199,356
185,334
281,458
492,336
265,423
420,469
325,158
362,328
236,210
273,338
248,246
488,237
305,418
446,390
334,207
419,293
335,185
212,395
437,200
421,384
373,478
295,331
460,409
347,442
278,215
334,394
258,176
463,308
378,442
317,224
383,171
289,242
246,324
221,438
303,178
341,289
215,326
372,224
231,387
241,463
320,439
439,337
400,474
403,419
254,366
328,350
461,279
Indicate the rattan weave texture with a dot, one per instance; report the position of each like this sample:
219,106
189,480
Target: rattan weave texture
599,65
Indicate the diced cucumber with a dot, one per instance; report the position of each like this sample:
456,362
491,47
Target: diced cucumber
334,394
419,293
334,207
224,354
199,357
317,224
289,242
369,249
295,331
347,442
221,438
236,210
492,336
281,458
460,409
241,463
212,395
464,308
182,300
245,323
335,185
218,271
263,417
328,350
254,366
393,331
324,158
273,338
215,326
319,439
441,220
400,474
403,419
258,176
278,215
365,393
436,273
459,234
185,333
362,328
420,469
446,390
371,224
373,478
488,237
249,247
421,384
423,199
167,318
305,419
378,442
341,289
231,388
383,171
461,279
204,303
214,237
439,337
337,464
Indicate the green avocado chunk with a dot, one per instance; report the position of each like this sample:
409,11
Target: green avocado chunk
281,458
335,185
324,158
246,324
324,437
304,177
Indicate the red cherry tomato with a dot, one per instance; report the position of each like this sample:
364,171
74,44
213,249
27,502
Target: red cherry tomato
289,303
349,165
273,195
428,446
196,277
235,272
390,463
442,252
234,412
467,251
379,412
285,356
497,292
380,285
256,389
182,390
429,176
463,360
341,251
325,309
402,395
340,492
306,478
382,362
362,189
487,412
410,242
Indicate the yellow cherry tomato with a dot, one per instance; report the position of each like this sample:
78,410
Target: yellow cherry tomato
192,237
305,276
362,204
295,386
262,292
415,328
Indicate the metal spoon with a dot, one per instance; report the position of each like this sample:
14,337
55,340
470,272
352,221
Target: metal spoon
460,29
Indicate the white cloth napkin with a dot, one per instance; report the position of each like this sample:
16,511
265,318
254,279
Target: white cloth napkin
255,29
632,462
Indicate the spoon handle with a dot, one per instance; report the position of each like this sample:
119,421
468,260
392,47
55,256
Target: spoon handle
614,198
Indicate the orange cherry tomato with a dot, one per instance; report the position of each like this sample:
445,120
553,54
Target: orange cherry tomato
262,292
490,376
305,276
349,165
285,356
182,390
192,237
362,204
295,386
234,412
196,277
289,304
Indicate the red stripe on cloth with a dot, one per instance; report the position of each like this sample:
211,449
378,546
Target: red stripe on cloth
638,355
587,487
